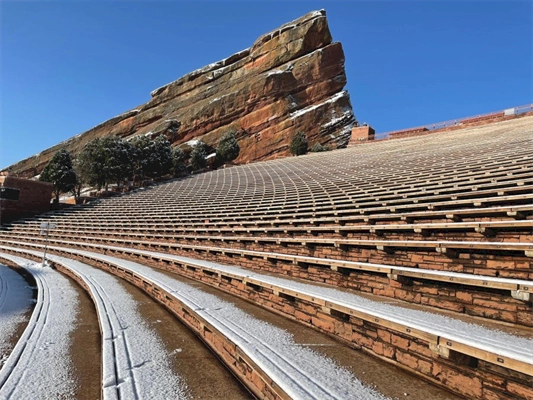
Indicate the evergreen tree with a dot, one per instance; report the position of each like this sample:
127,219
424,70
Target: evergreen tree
178,162
106,160
60,173
198,156
161,157
317,148
78,185
228,148
119,159
92,164
153,158
298,144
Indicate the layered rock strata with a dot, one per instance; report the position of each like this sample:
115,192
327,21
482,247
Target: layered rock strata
290,80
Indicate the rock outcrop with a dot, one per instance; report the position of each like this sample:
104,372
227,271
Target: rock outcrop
290,80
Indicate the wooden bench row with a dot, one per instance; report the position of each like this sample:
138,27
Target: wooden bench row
519,289
441,343
320,199
168,231
503,200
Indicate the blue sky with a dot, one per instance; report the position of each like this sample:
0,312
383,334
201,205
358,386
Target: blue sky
66,66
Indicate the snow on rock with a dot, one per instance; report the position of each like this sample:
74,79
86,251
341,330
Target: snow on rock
330,100
346,114
277,72
15,302
40,362
192,142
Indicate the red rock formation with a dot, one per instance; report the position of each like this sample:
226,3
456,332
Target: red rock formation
290,80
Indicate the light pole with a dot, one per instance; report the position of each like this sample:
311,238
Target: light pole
45,229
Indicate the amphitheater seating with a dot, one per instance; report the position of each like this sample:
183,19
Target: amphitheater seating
443,221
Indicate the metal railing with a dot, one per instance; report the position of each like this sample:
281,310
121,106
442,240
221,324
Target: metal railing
455,122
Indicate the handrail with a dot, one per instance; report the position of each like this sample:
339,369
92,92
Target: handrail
460,121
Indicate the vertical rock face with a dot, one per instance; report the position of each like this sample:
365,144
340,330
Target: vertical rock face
289,80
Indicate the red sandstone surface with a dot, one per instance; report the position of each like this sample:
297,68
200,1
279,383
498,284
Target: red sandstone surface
289,80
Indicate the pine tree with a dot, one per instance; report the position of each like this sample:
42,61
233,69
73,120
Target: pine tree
178,162
60,173
317,148
198,156
153,158
106,160
298,144
228,148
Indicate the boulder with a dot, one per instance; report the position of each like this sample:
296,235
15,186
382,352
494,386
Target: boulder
289,80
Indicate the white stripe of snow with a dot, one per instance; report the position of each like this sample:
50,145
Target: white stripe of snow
15,302
476,336
135,362
39,365
331,99
299,371
473,335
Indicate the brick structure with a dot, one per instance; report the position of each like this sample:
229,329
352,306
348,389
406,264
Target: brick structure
361,134
20,198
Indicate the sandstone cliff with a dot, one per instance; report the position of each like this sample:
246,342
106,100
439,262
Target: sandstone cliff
291,79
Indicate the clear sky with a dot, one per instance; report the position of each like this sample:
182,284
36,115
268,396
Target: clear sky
66,66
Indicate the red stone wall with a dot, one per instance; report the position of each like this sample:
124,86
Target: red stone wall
34,198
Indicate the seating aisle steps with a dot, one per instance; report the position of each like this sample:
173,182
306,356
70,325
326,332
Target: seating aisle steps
441,221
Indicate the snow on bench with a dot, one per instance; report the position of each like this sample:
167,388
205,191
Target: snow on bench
474,340
135,362
299,371
40,362
474,337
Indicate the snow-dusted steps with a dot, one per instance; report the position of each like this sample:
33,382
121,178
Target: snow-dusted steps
15,303
517,289
263,356
39,365
466,358
135,364
513,285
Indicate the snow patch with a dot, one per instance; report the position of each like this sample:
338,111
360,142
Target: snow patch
330,100
276,72
220,98
40,362
136,360
192,142
346,114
